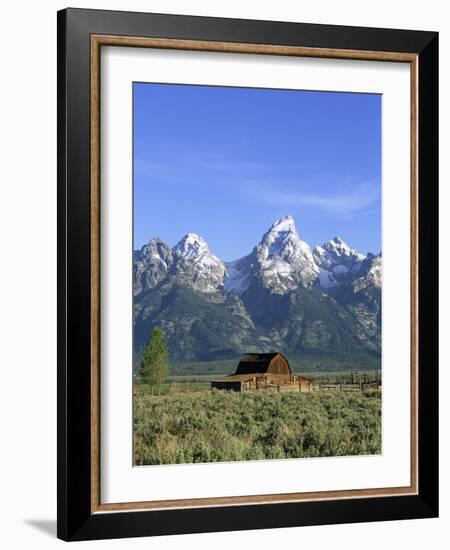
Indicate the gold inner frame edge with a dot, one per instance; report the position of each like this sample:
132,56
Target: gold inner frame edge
97,41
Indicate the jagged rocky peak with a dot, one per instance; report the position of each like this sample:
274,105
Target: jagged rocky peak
336,252
370,273
285,260
197,265
281,238
151,264
191,246
284,224
280,262
156,249
336,261
337,248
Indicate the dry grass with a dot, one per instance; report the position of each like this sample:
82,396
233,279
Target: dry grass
224,426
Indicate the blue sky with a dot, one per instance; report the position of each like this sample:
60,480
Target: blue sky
225,163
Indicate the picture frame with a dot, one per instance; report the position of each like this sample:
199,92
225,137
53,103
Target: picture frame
81,36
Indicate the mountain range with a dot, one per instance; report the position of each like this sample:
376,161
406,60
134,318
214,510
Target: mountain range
284,295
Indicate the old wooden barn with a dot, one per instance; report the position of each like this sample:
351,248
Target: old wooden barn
263,371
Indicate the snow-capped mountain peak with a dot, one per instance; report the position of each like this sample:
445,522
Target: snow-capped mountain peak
191,246
339,247
337,251
279,234
285,260
151,264
284,224
336,260
280,262
197,265
280,240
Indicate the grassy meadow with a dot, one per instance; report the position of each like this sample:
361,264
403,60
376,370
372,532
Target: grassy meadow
194,424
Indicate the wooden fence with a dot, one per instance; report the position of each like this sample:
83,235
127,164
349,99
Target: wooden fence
351,382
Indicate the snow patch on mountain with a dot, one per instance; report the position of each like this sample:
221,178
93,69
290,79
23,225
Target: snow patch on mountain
370,273
237,276
326,278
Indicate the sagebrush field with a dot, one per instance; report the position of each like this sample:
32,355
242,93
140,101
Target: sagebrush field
207,426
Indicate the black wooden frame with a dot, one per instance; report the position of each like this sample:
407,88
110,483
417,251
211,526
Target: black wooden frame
75,521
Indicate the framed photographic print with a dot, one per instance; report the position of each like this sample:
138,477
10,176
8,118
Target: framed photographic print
247,274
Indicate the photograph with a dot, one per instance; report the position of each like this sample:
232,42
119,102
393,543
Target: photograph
257,274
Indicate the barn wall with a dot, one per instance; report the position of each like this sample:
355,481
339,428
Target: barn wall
279,365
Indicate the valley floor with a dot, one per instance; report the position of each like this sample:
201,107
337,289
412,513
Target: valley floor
220,426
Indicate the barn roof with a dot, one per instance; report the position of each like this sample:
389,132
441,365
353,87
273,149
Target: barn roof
255,362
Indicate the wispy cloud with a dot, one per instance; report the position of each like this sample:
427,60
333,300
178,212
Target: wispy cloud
258,183
199,170
350,199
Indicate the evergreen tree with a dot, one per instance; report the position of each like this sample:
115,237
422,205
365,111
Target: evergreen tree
155,359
